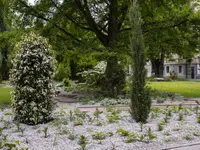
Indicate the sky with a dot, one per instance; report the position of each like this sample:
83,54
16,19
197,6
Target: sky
31,1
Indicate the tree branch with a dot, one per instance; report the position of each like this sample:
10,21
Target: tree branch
161,27
167,27
86,12
113,22
43,18
123,12
70,18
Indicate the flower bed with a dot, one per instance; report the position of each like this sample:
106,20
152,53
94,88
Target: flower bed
103,130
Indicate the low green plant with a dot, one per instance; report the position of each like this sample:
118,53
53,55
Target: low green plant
98,135
79,113
109,108
196,109
45,130
71,136
198,119
1,131
22,131
64,131
176,128
6,123
97,122
59,121
112,118
116,111
1,144
166,118
18,126
141,126
142,137
150,135
171,95
188,137
174,109
166,133
10,146
186,111
180,116
5,137
156,110
196,133
115,117
160,126
180,107
123,132
71,115
167,139
78,121
82,141
65,82
132,137
153,115
97,113
109,133
17,142
169,112
62,112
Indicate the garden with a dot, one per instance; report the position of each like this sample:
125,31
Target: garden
107,128
73,75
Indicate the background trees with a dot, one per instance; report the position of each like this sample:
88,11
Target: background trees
99,24
81,29
170,27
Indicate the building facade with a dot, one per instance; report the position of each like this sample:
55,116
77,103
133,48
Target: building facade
182,68
178,67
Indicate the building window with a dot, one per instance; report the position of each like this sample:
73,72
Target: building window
167,69
180,69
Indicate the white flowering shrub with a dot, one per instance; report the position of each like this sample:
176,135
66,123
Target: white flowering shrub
31,77
94,76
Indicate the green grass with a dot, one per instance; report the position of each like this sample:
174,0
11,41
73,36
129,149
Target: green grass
184,88
5,96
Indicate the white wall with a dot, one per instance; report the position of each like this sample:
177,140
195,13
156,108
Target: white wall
148,67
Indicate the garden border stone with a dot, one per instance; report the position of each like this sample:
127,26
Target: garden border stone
185,146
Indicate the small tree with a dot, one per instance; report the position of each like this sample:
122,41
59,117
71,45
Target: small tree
31,77
140,98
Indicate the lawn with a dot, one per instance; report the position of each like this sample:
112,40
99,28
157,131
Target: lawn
5,96
184,88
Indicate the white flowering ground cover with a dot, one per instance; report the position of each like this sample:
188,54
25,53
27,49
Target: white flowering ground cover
109,129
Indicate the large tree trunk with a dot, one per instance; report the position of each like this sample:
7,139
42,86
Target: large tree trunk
158,66
109,39
114,77
2,51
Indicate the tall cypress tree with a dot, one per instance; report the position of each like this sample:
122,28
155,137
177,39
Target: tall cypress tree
140,98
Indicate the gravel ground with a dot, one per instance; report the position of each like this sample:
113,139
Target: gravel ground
175,132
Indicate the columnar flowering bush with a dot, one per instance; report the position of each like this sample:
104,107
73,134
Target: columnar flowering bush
31,77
